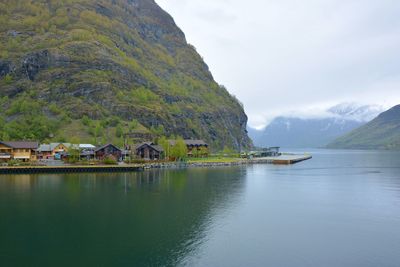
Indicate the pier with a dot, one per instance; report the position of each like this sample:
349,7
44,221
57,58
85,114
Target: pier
284,159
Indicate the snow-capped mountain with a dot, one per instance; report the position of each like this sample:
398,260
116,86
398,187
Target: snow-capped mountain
356,112
383,132
294,132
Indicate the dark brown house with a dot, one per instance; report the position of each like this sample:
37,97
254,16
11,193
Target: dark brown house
194,147
197,148
108,150
148,151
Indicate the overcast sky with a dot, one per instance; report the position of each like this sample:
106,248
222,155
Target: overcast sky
280,56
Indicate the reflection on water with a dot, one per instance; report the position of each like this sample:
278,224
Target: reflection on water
340,209
149,218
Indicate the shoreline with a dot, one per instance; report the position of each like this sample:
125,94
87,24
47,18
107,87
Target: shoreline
282,160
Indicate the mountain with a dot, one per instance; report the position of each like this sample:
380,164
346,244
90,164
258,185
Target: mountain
293,132
356,112
381,133
95,70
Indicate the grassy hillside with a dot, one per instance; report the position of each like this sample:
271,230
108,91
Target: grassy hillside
381,133
97,70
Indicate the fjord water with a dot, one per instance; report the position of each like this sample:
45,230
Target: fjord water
342,208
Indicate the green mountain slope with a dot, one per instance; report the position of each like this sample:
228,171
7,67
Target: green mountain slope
381,133
96,70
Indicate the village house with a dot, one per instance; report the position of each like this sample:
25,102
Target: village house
53,150
84,151
148,151
194,147
21,150
197,147
108,150
265,152
87,151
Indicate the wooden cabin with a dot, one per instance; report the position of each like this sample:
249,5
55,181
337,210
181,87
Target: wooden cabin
87,151
194,147
265,152
197,148
47,151
18,150
148,151
270,152
108,150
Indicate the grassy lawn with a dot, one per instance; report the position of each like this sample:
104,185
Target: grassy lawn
213,160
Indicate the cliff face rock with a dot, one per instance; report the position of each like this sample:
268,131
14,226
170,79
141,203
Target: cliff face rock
102,61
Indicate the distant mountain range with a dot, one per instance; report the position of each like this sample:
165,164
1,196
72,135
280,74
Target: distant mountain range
293,132
381,133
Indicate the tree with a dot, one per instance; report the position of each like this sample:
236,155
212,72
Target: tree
164,142
74,151
203,151
179,150
133,125
227,151
5,137
119,131
85,120
97,132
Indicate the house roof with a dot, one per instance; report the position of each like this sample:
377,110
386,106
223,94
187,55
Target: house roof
144,143
195,143
54,145
102,147
150,144
190,142
158,148
87,146
44,147
21,144
51,147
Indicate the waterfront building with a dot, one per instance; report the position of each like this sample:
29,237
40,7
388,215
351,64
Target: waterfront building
18,150
194,147
53,150
108,150
148,151
87,151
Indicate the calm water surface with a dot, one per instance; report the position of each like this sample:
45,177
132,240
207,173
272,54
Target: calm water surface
340,209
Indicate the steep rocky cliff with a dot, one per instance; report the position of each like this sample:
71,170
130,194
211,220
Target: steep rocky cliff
96,70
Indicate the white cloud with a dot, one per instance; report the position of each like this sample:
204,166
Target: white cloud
277,56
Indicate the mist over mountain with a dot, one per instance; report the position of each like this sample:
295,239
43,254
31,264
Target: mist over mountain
316,131
381,133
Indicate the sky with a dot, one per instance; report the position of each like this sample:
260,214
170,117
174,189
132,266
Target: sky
283,57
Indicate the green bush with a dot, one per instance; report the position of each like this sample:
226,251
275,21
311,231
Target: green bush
110,160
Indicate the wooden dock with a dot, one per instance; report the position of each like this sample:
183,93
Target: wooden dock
291,159
69,169
285,159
